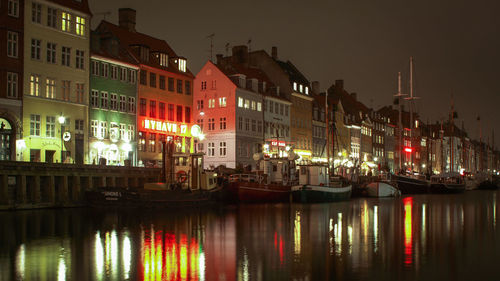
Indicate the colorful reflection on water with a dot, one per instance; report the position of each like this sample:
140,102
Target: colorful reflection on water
430,237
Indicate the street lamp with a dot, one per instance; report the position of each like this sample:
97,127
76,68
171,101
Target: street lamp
61,120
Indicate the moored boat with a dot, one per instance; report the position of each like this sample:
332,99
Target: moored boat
382,189
315,186
410,184
447,183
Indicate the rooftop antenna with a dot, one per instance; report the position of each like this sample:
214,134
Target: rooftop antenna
211,37
227,49
249,43
104,14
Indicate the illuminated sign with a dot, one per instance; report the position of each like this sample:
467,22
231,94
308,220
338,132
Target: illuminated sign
67,136
278,143
164,127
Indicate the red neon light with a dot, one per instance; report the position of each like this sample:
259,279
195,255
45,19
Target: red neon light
278,143
408,149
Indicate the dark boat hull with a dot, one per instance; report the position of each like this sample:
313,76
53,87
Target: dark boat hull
408,185
446,188
259,193
314,195
488,184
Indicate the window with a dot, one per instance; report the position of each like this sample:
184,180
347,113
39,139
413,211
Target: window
35,49
222,102
113,104
182,65
143,77
307,90
171,84
51,17
214,84
259,126
301,88
36,13
123,103
276,107
152,79
222,123
12,80
103,128
142,108
50,126
247,124
162,59
105,70
51,52
142,141
66,56
170,112
152,109
187,115
161,111
78,125
50,91
211,124
104,100
162,82
12,43
66,22
240,123
131,104
211,149
179,113
187,85
132,76
123,131
254,105
247,104
95,67
80,62
151,142
94,127
211,103
286,110
254,125
222,148
240,102
200,123
13,8
80,26
114,71
131,132
123,74
295,86
259,106
35,85
179,86
94,98
66,90
199,104
203,85
35,125
282,108
271,106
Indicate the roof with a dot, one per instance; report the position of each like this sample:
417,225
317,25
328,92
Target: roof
130,39
293,73
121,54
81,5
350,104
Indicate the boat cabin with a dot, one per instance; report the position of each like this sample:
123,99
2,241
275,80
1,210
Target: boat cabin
447,178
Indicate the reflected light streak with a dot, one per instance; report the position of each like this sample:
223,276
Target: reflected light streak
408,202
61,267
296,233
494,212
158,256
349,238
126,255
330,239
338,234
99,256
244,272
114,254
201,265
365,219
107,254
183,257
281,251
375,227
20,261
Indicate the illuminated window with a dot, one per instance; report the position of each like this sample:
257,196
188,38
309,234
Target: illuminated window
12,43
300,88
152,142
162,59
295,86
94,128
307,90
66,22
50,91
259,106
254,105
182,65
80,26
130,133
247,104
35,85
240,102
103,128
222,102
142,141
211,103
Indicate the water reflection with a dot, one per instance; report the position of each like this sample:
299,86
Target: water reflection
419,237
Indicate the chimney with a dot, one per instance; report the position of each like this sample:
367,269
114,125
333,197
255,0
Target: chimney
274,52
354,96
240,54
339,85
126,18
219,58
315,87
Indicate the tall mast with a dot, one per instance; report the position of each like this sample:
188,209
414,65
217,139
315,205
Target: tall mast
410,99
480,146
400,123
327,139
452,162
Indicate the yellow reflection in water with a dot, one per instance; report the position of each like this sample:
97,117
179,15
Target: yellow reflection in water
494,211
296,233
61,267
349,238
338,234
408,202
114,255
126,255
375,227
183,257
20,261
99,256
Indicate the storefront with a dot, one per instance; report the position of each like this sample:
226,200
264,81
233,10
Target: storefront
7,140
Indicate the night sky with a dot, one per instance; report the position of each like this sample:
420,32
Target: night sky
455,45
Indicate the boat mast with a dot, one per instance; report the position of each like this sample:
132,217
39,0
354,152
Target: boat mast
327,140
442,148
452,163
410,99
400,126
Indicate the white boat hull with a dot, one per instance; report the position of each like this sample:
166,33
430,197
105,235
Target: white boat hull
382,189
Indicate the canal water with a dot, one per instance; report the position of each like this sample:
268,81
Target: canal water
424,237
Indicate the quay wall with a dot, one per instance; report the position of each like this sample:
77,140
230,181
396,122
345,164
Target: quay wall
29,185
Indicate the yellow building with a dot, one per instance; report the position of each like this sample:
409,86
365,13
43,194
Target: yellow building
56,81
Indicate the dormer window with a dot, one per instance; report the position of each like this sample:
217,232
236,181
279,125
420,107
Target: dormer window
182,64
162,59
144,53
301,88
295,86
307,90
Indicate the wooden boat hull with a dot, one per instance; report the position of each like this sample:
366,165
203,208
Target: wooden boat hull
320,194
141,198
259,193
408,185
381,189
447,188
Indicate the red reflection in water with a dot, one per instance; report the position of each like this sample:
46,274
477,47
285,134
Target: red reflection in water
165,258
279,246
408,202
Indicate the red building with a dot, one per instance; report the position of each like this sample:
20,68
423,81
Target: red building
164,91
11,75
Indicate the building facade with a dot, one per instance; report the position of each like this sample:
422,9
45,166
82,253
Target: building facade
11,76
56,81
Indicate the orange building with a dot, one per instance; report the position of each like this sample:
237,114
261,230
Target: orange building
164,91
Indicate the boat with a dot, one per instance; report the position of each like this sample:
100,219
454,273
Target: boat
447,183
181,186
315,186
472,181
271,183
410,184
489,182
382,188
